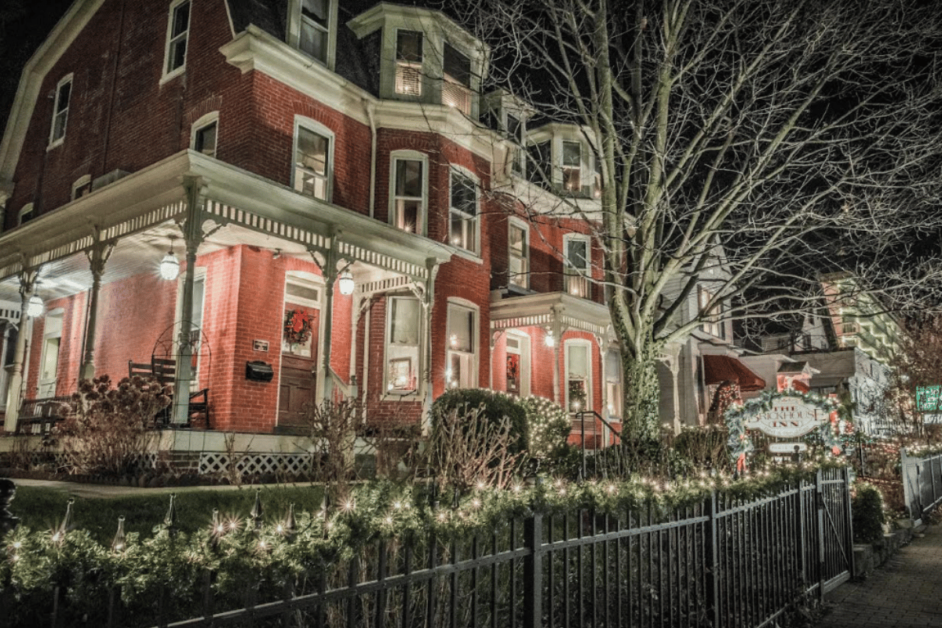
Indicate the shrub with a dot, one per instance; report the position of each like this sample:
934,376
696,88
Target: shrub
108,430
868,517
703,447
548,426
494,407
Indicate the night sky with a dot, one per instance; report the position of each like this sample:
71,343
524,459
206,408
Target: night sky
24,24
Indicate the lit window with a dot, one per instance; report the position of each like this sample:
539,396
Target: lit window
462,347
711,323
409,63
402,345
519,256
177,33
311,163
204,139
408,195
578,389
61,114
456,89
613,387
462,230
315,27
572,167
576,266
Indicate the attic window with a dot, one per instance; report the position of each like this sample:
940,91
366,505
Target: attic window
315,28
178,31
61,114
409,63
456,89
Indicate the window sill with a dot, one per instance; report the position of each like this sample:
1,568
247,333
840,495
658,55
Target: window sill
403,396
169,76
466,254
59,142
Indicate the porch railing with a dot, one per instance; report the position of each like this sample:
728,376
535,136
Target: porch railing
922,483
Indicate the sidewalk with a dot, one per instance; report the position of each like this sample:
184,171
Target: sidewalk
905,592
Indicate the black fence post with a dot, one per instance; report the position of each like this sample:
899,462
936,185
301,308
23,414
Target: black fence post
533,571
802,542
819,494
712,562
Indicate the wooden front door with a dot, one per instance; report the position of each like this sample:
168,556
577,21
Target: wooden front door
298,371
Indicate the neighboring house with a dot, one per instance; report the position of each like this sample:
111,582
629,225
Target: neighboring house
254,169
849,341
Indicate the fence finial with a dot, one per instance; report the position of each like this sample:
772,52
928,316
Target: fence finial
256,513
119,543
170,519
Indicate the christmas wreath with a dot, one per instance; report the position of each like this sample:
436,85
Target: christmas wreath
297,327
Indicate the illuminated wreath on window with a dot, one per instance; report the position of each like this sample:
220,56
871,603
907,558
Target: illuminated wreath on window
740,444
297,327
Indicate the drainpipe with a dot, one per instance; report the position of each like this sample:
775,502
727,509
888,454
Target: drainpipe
370,114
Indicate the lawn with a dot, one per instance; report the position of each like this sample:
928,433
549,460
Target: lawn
44,508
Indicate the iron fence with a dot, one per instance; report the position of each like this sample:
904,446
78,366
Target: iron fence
922,483
725,562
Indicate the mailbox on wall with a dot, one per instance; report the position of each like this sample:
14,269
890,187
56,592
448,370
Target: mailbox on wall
259,371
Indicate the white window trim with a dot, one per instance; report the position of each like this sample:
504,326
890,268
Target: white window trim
294,32
320,129
165,75
572,342
201,123
392,395
570,271
82,181
25,209
475,342
476,253
409,155
68,78
520,224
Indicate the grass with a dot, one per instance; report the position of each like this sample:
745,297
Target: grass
44,508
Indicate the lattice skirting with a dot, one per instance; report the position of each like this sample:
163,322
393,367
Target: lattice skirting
250,464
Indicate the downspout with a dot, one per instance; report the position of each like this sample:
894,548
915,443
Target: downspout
370,109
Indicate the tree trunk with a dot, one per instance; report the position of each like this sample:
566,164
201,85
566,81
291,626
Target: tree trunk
641,394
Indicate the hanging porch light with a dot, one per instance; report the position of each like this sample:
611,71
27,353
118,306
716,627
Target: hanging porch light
346,283
170,265
35,307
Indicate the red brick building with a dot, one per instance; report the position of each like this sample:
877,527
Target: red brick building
313,160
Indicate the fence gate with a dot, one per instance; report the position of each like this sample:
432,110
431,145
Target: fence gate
834,529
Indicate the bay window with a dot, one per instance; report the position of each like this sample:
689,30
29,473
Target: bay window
515,132
572,167
456,87
461,342
402,345
539,164
613,385
463,223
578,375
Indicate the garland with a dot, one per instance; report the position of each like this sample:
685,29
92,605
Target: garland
286,546
740,444
297,327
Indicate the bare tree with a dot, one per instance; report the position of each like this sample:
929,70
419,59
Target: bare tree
798,136
917,377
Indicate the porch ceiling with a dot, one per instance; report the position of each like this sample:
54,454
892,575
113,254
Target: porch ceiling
537,309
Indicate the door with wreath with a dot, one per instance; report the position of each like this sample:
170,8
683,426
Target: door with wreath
298,364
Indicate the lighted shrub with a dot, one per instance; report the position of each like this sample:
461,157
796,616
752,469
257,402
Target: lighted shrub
548,426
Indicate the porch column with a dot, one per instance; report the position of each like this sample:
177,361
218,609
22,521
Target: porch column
428,303
192,237
14,397
97,258
329,270
557,329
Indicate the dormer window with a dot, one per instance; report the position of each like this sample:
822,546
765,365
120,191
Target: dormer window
61,114
538,167
315,28
711,323
572,167
456,88
409,63
515,133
